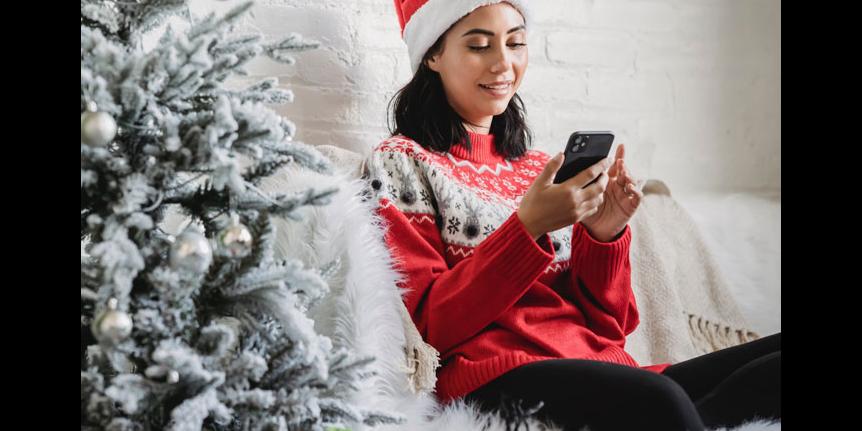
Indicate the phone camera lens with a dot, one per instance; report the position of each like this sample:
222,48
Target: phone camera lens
578,140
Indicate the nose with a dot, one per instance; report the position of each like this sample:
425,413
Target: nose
502,61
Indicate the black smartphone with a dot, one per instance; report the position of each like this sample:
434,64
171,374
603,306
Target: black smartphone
583,150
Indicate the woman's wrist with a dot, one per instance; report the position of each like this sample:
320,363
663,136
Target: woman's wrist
607,237
528,226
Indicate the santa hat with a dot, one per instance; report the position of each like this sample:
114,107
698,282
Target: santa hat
423,21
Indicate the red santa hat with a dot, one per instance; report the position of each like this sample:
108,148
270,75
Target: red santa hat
423,21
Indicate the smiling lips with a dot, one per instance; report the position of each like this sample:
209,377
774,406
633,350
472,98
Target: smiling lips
497,88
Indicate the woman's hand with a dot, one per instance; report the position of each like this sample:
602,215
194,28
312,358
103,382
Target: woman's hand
621,199
547,207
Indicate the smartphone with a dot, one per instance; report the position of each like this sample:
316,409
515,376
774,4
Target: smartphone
583,150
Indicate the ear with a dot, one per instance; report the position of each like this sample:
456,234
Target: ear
433,63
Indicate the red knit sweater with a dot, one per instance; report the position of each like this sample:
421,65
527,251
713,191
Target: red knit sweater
480,290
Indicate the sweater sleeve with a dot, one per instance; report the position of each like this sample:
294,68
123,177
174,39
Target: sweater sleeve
449,305
601,284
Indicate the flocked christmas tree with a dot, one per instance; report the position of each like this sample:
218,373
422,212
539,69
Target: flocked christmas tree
204,329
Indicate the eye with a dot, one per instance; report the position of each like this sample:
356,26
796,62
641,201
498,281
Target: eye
482,48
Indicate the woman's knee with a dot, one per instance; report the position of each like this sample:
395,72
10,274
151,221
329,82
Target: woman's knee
661,396
653,402
662,388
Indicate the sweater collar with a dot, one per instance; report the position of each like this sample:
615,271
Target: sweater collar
483,149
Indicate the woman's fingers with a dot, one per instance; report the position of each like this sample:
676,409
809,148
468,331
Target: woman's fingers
618,161
620,178
624,178
633,192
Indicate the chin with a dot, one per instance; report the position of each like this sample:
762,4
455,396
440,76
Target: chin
501,108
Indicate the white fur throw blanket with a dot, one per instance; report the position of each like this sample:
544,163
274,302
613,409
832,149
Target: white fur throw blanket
672,273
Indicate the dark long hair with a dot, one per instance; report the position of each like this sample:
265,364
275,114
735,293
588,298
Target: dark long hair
423,114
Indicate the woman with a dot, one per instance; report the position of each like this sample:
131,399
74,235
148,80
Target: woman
523,285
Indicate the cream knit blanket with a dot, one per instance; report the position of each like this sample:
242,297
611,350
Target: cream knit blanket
686,308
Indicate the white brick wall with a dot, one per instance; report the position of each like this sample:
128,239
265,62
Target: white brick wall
691,86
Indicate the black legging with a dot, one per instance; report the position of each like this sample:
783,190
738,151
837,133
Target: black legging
720,389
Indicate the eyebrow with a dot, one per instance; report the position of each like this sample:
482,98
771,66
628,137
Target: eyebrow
491,33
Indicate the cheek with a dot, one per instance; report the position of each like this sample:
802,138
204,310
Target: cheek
466,77
520,63
520,70
460,90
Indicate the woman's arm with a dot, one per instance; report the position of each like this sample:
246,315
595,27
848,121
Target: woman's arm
601,284
450,305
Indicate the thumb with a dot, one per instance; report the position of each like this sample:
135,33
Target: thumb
551,168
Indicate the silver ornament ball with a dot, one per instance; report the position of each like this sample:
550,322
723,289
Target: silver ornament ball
98,129
191,251
235,240
112,325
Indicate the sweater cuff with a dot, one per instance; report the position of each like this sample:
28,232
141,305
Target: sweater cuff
520,258
615,253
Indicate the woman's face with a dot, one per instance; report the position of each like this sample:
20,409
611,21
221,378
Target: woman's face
487,46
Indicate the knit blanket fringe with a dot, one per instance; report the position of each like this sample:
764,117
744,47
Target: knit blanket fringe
422,359
709,336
